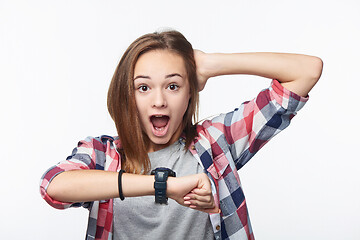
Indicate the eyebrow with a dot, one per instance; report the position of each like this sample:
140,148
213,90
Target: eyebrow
167,76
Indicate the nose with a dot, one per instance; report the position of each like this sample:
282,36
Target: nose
159,99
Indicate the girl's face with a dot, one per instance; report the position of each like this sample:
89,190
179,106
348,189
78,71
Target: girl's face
162,95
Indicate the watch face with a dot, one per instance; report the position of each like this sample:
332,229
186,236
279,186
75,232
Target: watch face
161,174
170,172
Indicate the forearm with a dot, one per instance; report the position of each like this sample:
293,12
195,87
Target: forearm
296,72
282,66
91,185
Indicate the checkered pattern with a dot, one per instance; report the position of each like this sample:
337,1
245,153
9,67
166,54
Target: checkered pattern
224,144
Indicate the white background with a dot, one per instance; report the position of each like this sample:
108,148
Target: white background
56,62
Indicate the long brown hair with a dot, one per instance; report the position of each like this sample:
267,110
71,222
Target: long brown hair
121,97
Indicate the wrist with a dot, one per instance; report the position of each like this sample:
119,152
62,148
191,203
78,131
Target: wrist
171,187
135,185
207,65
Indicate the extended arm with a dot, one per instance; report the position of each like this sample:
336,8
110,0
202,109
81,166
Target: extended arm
296,72
92,185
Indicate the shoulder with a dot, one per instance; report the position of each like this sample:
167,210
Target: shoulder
98,150
100,143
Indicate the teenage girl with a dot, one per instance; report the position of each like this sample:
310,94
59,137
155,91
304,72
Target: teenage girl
162,151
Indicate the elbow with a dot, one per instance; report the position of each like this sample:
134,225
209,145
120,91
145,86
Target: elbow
57,189
315,69
310,74
54,191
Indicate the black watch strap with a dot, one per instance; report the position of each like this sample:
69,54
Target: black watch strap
160,184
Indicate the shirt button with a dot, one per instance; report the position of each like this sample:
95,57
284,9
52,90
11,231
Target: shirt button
218,227
193,147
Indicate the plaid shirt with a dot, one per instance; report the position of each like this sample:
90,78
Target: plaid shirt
224,144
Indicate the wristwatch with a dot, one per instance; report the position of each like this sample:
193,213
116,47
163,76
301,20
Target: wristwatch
161,176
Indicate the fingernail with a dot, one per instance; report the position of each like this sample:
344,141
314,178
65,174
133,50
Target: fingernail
187,202
186,198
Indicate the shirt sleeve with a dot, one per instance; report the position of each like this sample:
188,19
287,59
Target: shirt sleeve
83,157
249,127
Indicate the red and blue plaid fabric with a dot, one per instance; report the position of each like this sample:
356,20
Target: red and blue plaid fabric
224,144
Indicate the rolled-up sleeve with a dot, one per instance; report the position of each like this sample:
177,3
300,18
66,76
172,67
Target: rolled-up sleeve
82,157
249,127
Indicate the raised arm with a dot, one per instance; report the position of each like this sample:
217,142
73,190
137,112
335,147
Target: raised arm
252,124
298,73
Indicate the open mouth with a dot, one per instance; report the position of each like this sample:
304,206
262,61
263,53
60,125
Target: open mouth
160,124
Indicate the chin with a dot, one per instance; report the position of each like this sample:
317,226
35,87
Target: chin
160,141
158,144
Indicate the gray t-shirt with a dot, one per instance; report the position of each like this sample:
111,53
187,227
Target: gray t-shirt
141,218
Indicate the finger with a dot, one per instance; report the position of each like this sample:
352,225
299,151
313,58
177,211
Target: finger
208,203
202,191
197,198
196,203
202,206
190,196
187,198
199,194
207,210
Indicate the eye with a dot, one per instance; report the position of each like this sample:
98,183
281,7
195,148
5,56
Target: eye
143,88
173,87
